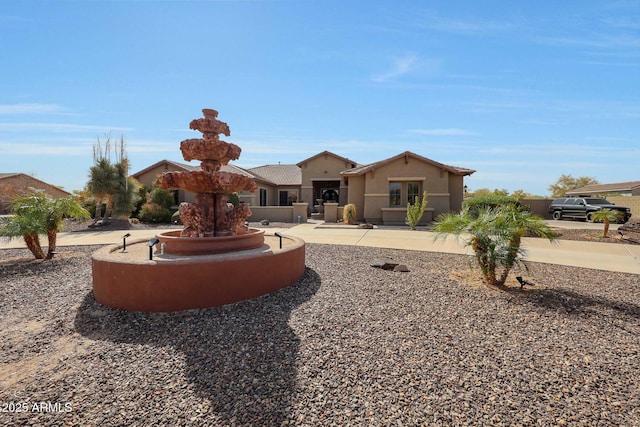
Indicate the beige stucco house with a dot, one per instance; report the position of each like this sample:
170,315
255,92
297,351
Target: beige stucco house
322,180
380,191
14,184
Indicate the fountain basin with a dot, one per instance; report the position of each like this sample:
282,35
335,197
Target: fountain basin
174,244
131,281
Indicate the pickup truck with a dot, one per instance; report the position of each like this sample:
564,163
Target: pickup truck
584,208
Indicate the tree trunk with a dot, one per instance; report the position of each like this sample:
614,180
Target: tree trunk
52,236
606,228
33,244
108,209
512,256
98,215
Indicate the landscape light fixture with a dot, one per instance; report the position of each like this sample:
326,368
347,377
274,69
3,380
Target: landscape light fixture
151,244
278,234
124,242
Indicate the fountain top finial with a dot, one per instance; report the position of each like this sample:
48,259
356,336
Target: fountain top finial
210,126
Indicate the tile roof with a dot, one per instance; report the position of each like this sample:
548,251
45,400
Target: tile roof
279,174
606,188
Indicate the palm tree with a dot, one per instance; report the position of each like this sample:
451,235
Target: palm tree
57,210
38,213
495,236
27,221
607,216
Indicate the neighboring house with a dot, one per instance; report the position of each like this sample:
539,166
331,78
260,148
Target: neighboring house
631,188
149,175
379,190
14,184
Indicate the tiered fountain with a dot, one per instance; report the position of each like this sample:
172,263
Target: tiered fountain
215,259
211,217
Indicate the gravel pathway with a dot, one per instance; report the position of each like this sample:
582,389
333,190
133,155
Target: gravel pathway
347,345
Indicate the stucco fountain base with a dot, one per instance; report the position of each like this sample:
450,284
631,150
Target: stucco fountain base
173,282
174,244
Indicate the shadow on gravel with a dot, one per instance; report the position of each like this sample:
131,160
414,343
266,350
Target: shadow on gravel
241,357
575,303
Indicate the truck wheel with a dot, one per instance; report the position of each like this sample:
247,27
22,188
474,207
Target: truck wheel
590,217
557,215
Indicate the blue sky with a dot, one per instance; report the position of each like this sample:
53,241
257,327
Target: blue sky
520,91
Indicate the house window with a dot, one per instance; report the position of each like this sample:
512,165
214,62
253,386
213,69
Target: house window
287,197
413,191
395,193
263,197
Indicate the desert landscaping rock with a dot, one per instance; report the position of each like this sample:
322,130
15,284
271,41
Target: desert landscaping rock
384,263
346,345
401,268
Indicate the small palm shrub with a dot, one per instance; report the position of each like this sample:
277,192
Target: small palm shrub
415,211
494,235
607,216
37,213
349,214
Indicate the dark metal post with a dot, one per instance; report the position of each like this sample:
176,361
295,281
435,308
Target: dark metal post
151,244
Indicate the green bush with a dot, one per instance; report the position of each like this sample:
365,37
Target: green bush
153,212
234,199
162,197
492,201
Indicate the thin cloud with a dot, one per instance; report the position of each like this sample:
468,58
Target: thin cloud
43,149
443,132
399,67
58,127
6,109
598,42
461,26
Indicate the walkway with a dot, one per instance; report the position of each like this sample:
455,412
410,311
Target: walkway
602,256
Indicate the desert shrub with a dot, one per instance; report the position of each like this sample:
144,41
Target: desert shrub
153,212
492,201
234,199
349,214
415,211
162,197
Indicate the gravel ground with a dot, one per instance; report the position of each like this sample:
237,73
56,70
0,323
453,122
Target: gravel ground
347,345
